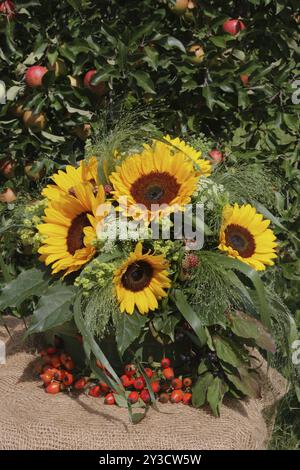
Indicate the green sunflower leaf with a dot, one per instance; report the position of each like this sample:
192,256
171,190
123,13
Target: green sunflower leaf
128,329
27,284
54,308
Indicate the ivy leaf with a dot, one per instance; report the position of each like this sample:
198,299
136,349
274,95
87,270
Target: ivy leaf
215,393
27,284
54,308
128,329
200,389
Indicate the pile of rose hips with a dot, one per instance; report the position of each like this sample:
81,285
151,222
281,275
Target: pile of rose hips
166,387
56,369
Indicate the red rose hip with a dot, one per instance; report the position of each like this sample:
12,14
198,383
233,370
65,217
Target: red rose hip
145,396
165,363
139,383
133,397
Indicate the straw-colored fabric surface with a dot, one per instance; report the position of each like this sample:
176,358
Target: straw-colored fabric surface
32,419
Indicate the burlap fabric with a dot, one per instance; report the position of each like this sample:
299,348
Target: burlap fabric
32,419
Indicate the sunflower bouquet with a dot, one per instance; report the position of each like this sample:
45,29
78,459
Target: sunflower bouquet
151,252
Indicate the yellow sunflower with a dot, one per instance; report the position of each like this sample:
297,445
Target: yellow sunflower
204,166
141,281
66,180
154,182
69,229
245,235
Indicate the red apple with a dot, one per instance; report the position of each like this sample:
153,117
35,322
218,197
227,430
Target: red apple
34,75
83,132
244,79
8,8
36,122
33,171
8,196
197,53
97,89
233,27
7,168
179,6
216,155
192,4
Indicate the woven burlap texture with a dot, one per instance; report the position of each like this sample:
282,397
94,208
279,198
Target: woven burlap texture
32,419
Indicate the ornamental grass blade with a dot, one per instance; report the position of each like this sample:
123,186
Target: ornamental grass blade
190,315
148,384
254,277
89,339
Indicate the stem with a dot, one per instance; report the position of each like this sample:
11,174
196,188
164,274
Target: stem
6,275
7,329
25,324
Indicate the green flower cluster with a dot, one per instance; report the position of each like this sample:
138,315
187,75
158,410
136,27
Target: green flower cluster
168,248
31,217
95,275
201,143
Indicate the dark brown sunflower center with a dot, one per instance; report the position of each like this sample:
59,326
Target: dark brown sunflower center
155,188
75,233
137,276
240,239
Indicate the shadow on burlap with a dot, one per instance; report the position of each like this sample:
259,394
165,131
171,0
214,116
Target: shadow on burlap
32,419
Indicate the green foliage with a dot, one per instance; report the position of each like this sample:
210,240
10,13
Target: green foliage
141,53
28,218
286,434
128,132
53,309
213,289
95,276
226,366
99,307
128,329
194,319
248,327
249,183
28,284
